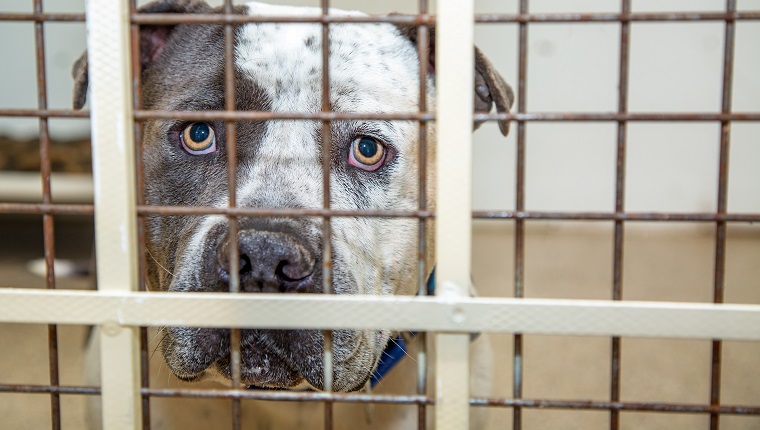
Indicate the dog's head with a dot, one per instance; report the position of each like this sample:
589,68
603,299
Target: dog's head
374,165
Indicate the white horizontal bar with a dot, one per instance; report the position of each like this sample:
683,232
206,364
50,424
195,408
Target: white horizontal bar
314,311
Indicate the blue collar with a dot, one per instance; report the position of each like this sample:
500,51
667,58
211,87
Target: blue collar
395,351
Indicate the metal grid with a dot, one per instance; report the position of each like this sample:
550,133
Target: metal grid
48,209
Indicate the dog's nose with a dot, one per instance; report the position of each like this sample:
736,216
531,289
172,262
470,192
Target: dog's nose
270,262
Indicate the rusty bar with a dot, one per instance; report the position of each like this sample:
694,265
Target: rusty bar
430,116
76,209
423,54
46,389
155,19
616,17
614,116
612,216
44,136
327,287
44,208
230,104
144,372
617,406
478,402
519,262
395,399
617,269
492,215
43,17
267,115
55,401
232,232
412,116
47,219
326,112
140,197
720,228
290,396
44,113
158,18
427,116
266,212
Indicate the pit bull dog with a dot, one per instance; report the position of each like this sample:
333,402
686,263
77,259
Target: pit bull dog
374,165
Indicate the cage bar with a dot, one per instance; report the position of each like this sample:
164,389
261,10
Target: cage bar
327,279
479,18
454,80
412,116
409,313
423,54
619,235
232,221
47,219
115,219
519,257
720,228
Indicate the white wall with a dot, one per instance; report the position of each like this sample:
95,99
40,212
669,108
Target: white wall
18,76
675,67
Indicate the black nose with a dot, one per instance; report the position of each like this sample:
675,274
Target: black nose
270,262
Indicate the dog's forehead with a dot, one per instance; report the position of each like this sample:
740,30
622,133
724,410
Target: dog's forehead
373,68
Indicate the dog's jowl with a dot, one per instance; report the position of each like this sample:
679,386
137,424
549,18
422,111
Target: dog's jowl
374,165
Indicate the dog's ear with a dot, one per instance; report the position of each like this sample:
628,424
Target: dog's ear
81,81
489,87
153,40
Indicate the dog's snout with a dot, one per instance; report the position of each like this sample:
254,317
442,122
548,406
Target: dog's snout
270,262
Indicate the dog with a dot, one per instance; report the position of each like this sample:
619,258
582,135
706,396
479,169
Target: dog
374,165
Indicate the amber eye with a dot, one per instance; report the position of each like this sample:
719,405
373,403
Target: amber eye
198,138
366,153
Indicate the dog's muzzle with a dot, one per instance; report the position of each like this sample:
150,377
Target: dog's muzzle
273,257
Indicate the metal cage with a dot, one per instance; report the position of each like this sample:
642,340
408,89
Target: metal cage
122,307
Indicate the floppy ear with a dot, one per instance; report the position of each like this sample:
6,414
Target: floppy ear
489,87
81,81
153,40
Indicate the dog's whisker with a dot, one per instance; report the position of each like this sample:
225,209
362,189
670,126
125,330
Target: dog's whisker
157,346
159,264
243,63
160,332
404,349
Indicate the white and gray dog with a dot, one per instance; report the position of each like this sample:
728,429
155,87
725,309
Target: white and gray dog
374,165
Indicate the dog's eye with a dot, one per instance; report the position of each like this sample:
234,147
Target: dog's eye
366,153
198,138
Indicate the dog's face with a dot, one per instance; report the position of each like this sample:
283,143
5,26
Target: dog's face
374,165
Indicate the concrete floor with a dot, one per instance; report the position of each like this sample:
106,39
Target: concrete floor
569,260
